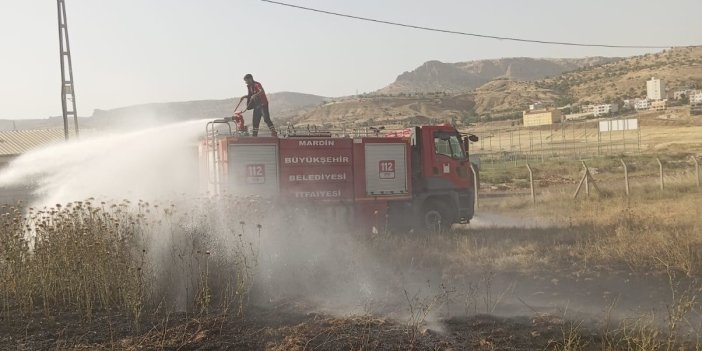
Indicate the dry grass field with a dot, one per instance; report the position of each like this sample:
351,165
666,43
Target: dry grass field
600,273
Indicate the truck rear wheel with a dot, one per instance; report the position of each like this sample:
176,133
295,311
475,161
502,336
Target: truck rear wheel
437,216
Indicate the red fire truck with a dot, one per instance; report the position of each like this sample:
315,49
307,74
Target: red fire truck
416,177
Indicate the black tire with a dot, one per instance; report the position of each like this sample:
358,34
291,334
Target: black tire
436,216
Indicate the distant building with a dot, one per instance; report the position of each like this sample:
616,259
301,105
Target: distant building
628,104
655,89
695,97
677,95
659,105
587,108
541,117
642,104
604,109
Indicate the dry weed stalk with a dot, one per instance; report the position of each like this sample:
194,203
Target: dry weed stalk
97,258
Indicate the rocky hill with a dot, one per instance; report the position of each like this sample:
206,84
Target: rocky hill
680,68
436,76
389,110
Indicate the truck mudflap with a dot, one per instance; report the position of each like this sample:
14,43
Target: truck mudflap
466,206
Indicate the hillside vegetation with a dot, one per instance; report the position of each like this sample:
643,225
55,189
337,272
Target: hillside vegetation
505,92
679,67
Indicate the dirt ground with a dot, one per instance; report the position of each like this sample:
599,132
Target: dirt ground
282,328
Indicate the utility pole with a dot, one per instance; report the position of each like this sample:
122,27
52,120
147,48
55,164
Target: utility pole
68,96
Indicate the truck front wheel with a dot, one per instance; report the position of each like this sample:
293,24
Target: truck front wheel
437,216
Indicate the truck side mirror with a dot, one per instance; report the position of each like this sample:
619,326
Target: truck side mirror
466,140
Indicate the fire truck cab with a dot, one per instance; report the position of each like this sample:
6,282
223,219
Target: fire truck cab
418,177
443,182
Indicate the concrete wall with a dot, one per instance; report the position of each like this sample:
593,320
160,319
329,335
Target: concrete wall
540,118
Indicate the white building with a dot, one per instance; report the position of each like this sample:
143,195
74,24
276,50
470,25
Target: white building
536,106
677,95
628,104
696,97
655,89
604,109
659,105
642,104
587,108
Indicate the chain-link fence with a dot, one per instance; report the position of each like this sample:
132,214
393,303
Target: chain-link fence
575,140
625,175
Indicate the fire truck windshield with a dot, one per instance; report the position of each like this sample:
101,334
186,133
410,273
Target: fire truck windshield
449,145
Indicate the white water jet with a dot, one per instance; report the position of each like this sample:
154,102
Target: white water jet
146,164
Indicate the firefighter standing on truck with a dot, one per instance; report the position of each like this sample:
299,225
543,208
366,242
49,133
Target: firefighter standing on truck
256,100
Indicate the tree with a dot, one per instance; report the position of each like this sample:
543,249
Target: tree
684,99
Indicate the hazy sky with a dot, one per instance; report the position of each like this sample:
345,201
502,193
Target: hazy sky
138,51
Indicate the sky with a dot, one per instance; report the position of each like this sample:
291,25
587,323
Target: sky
131,52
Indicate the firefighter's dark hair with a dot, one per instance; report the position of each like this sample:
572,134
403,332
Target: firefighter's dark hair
248,76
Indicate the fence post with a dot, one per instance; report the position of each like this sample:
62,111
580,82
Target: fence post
587,182
697,169
582,180
476,186
585,129
499,142
541,142
531,184
660,172
519,139
626,177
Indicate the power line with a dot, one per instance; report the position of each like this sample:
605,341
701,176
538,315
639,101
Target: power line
465,33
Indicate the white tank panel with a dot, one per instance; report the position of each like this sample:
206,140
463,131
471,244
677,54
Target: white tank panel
386,169
253,169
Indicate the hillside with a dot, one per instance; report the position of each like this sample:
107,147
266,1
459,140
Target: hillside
389,110
436,76
284,105
501,96
679,67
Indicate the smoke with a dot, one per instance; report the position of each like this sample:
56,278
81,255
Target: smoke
494,220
